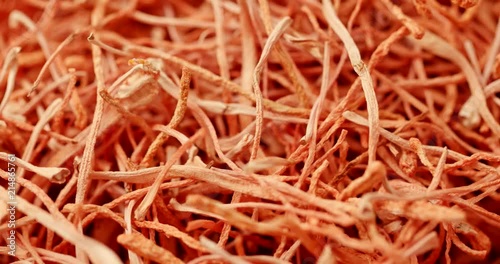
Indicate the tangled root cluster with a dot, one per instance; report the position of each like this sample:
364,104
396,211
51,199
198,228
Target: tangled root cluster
250,131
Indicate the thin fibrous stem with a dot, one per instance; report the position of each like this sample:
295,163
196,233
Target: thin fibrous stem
361,69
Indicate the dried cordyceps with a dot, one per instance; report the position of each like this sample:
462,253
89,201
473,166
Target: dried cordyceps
250,131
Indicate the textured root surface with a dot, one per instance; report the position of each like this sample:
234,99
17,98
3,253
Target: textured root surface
258,131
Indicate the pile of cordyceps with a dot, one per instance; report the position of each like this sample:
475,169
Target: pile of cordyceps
250,131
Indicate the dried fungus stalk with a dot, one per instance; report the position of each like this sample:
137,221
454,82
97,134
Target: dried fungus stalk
360,69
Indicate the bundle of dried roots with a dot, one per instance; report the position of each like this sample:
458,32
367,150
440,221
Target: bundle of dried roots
234,131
